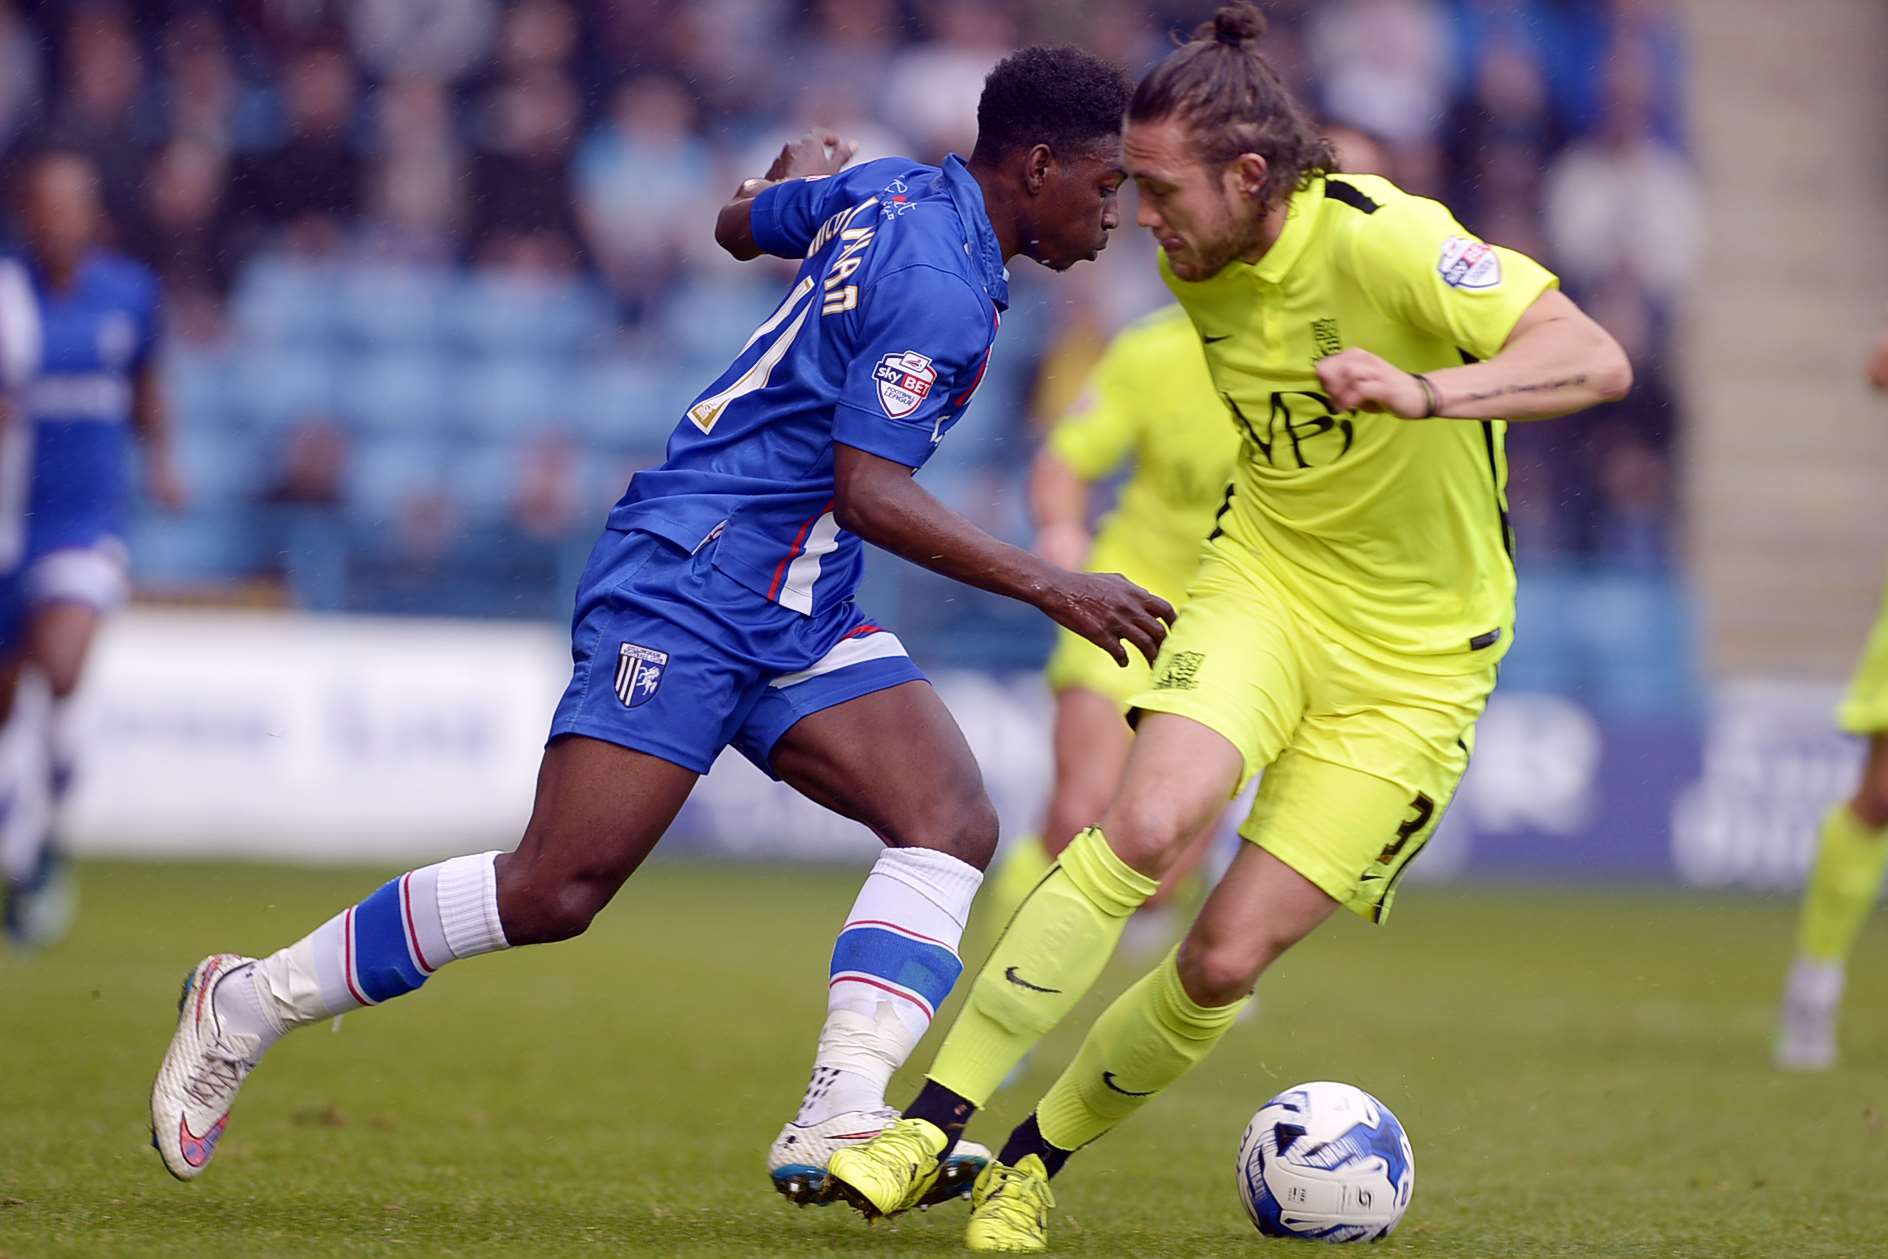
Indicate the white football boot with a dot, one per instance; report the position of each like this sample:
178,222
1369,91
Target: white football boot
1806,1037
797,1163
201,1072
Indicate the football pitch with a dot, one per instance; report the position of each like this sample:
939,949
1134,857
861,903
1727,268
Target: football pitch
1581,1073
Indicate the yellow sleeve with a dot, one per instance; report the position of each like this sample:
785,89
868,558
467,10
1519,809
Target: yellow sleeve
1426,269
1099,431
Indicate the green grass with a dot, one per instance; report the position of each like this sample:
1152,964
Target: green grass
1581,1074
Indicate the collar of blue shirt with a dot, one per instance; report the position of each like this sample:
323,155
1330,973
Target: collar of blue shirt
986,255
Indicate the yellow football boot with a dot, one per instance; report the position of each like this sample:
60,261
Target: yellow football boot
1009,1209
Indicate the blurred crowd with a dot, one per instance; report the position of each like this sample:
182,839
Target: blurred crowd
439,273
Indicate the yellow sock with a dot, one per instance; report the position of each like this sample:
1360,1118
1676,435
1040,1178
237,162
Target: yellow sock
1150,1037
1050,954
1843,886
1024,863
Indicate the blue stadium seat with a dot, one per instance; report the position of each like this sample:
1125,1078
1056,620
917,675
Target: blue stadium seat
276,387
220,464
627,402
508,397
391,307
197,386
283,302
393,391
712,317
208,543
494,316
388,470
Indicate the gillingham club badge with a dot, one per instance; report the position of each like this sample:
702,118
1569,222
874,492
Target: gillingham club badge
904,382
638,673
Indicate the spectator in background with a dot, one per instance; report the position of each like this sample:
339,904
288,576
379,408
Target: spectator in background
931,89
638,176
414,200
97,114
306,187
521,194
1384,65
851,43
1625,203
432,39
201,96
20,81
182,234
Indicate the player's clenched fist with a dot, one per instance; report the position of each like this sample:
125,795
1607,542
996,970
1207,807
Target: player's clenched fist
1358,380
1106,609
818,152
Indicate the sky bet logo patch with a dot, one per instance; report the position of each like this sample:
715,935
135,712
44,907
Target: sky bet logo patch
1468,264
904,382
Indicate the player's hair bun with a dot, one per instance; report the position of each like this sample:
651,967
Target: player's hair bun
1234,25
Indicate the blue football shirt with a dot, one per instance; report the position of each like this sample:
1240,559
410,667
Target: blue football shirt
879,345
96,336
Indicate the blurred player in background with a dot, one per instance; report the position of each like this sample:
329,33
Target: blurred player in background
1150,400
1851,854
1341,634
97,389
718,611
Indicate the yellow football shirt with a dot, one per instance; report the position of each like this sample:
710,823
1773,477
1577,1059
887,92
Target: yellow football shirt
1150,398
1391,535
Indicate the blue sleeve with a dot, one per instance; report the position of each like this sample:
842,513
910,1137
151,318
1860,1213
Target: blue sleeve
924,336
786,217
150,320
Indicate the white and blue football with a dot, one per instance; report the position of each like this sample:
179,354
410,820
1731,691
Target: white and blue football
1326,1162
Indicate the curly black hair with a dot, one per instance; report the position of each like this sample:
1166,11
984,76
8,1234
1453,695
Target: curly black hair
1066,98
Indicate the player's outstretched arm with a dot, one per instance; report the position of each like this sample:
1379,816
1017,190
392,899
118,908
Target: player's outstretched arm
1058,506
878,500
815,153
1556,361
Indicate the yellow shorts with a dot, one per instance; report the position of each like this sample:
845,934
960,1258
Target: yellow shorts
1865,708
1360,758
1077,664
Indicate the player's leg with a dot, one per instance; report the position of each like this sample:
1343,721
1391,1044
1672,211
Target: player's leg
627,744
599,811
1844,884
1090,742
1227,692
42,902
1845,880
894,760
1147,1039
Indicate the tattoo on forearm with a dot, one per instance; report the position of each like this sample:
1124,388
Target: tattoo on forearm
1539,386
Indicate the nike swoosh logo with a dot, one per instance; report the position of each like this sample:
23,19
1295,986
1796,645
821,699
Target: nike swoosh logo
1010,974
197,1149
1107,1077
1206,340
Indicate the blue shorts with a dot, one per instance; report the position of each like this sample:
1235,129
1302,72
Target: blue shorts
675,658
93,574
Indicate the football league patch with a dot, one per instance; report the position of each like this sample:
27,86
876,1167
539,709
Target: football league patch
1469,264
638,673
904,382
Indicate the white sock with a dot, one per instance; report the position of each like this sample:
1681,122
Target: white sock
893,964
382,948
26,819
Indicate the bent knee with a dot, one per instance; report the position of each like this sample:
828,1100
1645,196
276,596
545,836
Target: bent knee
1148,834
1216,973
962,824
537,910
1870,805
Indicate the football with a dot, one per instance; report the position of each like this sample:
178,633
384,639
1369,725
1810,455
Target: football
1326,1162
